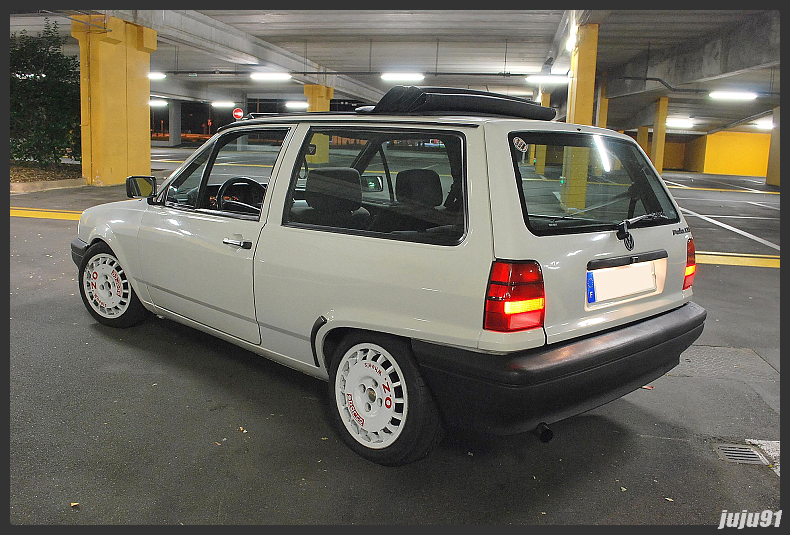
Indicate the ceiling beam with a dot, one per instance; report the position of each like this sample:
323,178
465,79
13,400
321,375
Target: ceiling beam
742,121
220,40
643,117
751,44
558,45
593,16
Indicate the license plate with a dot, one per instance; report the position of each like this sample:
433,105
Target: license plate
606,284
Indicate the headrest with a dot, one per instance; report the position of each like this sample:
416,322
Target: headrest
333,189
421,186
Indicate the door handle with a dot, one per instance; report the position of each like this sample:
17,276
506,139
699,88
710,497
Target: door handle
244,244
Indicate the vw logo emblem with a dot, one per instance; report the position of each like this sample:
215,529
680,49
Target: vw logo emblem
629,242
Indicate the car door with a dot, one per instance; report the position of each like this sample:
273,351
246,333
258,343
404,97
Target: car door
197,252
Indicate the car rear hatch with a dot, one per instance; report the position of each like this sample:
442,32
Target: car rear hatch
590,209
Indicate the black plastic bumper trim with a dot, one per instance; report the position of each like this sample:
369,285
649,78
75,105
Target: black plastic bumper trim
78,249
512,393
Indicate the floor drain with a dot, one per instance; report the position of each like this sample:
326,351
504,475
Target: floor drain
740,453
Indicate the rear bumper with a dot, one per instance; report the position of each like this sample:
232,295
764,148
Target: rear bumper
78,248
512,393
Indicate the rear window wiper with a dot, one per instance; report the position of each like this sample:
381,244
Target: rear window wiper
558,217
623,226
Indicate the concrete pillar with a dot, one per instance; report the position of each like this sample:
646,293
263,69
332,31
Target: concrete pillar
581,90
602,110
659,134
174,118
581,98
114,93
540,150
318,99
641,138
772,175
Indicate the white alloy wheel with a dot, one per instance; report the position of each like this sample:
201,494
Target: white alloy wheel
371,395
106,286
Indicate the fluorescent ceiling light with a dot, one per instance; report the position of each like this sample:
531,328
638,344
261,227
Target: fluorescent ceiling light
547,79
764,125
680,123
270,76
157,75
223,104
298,104
733,95
155,103
402,76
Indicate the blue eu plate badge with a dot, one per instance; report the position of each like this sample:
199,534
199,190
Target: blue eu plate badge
590,288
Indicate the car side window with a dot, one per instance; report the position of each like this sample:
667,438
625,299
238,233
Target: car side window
240,173
184,189
389,183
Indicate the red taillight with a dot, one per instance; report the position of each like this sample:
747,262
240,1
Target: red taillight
515,300
691,264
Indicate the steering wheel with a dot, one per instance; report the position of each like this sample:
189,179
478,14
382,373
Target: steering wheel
223,204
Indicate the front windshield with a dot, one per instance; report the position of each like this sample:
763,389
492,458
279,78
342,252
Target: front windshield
572,182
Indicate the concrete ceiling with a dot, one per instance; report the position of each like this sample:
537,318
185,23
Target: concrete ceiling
485,49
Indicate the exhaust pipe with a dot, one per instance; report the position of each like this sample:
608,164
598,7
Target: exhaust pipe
543,432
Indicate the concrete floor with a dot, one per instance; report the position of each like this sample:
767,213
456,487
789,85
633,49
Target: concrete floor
142,426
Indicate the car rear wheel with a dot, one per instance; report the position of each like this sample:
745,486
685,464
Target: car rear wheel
106,291
380,403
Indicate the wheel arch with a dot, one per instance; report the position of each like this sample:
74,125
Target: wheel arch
331,336
105,234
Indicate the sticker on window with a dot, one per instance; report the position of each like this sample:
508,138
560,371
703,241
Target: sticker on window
520,144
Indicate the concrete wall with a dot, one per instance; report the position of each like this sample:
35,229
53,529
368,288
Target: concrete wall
695,155
674,155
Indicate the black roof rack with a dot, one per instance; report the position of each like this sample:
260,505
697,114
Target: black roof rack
451,100
416,100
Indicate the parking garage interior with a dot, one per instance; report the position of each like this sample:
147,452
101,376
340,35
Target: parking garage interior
162,424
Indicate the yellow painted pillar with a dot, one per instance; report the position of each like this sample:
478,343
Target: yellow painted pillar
641,138
318,99
581,92
114,94
581,98
659,134
602,111
540,150
772,175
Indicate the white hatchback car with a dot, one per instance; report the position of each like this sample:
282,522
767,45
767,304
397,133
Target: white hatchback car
445,258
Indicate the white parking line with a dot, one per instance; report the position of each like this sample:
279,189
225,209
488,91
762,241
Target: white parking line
733,185
743,217
728,227
676,184
717,200
764,205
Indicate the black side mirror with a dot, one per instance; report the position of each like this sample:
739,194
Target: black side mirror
140,186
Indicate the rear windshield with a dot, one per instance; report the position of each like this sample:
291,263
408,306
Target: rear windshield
585,182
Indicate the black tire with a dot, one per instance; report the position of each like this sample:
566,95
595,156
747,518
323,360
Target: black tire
133,312
421,428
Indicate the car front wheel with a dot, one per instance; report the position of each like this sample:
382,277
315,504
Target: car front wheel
380,403
106,290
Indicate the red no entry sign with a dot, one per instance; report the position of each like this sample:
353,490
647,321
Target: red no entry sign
238,113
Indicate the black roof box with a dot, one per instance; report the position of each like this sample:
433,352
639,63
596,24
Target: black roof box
414,99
